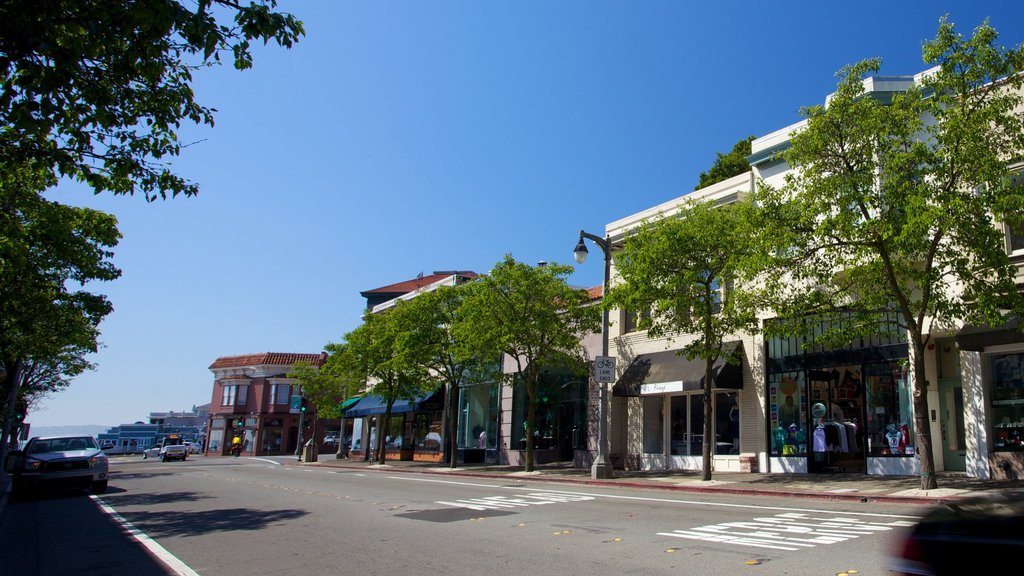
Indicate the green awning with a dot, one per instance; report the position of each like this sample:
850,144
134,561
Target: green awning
348,404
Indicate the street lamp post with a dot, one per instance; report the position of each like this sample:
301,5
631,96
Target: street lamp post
601,468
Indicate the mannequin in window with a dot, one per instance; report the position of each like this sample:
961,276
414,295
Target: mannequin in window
789,413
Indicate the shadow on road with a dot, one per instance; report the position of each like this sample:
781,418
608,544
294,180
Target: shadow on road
119,497
161,524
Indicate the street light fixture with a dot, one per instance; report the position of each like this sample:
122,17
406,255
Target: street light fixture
601,468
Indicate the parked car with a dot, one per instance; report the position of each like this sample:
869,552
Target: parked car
172,447
55,462
955,537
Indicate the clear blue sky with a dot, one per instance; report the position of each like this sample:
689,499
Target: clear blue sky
405,137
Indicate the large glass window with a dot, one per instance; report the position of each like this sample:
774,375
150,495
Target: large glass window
216,437
1008,402
1015,234
687,428
654,424
633,319
280,393
727,423
477,416
357,435
428,433
1015,226
787,408
233,395
396,432
888,425
560,420
228,395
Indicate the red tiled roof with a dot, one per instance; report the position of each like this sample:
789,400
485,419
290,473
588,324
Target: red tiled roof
596,292
268,358
417,283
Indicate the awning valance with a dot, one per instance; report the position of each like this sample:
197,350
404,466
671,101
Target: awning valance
370,405
345,405
667,371
976,338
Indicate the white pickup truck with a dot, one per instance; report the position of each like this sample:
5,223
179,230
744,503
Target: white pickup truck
170,448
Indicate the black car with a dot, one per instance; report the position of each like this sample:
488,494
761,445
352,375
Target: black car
984,531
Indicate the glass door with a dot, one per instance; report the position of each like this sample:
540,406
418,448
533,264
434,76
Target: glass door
687,425
954,437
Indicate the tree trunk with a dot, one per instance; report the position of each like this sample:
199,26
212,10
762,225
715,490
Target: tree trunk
922,430
709,418
453,423
531,413
385,425
341,438
14,385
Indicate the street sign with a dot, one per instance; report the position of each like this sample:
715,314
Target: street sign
295,405
604,368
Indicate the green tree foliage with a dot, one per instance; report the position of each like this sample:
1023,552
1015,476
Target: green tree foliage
532,316
327,386
384,347
431,318
895,206
689,268
95,90
727,165
49,253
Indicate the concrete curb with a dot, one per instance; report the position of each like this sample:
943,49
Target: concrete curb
718,489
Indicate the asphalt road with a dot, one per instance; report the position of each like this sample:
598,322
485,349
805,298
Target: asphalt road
225,517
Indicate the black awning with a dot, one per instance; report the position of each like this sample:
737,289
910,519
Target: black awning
677,374
976,338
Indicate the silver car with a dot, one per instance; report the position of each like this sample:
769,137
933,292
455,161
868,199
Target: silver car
58,462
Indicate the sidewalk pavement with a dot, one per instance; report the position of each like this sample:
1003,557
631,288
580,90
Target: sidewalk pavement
838,486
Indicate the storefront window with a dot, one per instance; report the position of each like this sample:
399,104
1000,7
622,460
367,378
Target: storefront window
889,428
727,423
357,435
654,425
476,422
560,417
428,433
396,430
271,440
1008,402
248,436
216,437
787,407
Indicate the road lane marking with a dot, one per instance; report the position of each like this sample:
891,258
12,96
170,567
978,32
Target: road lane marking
788,532
500,502
170,560
410,478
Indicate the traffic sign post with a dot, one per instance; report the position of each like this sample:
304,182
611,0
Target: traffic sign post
604,366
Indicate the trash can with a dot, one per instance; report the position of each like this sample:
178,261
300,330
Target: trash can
309,453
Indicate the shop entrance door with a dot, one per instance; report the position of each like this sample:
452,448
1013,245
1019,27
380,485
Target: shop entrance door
954,437
836,426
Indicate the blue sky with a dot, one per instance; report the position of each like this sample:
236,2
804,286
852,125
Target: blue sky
403,137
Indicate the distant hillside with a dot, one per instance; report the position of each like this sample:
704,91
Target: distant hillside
83,429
